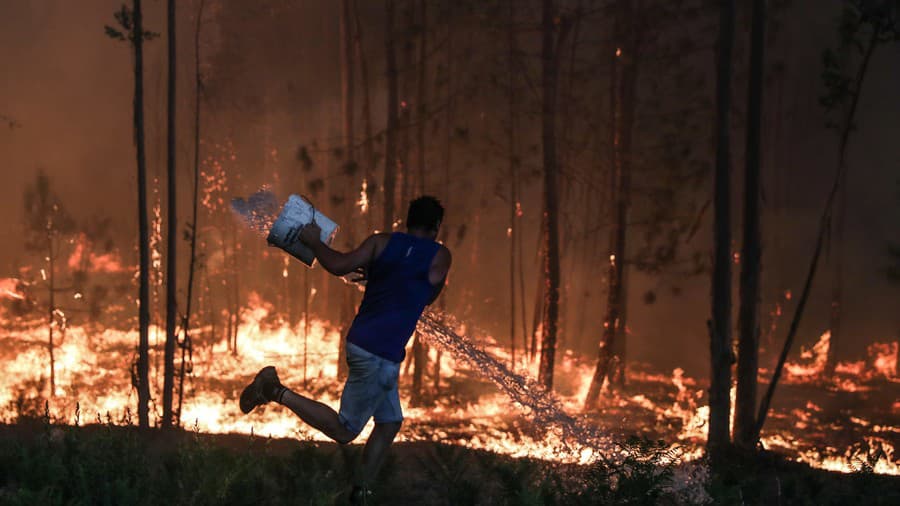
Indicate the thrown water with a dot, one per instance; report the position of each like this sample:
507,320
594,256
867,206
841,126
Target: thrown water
543,408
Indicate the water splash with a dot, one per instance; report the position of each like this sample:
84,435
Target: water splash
544,408
259,211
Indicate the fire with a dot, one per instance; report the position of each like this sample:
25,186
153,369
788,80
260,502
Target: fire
93,370
9,287
94,262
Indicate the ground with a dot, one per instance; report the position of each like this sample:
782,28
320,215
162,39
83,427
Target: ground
42,463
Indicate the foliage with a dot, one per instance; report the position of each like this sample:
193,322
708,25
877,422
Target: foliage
859,21
115,465
44,463
125,18
645,476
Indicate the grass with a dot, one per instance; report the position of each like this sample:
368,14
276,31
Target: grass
106,464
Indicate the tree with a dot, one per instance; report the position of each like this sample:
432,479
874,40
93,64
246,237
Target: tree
186,344
720,324
549,64
349,165
878,23
420,351
751,251
622,106
172,233
390,148
132,23
46,222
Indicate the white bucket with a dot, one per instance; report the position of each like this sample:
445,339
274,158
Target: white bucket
296,213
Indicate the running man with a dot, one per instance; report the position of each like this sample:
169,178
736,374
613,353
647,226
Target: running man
405,272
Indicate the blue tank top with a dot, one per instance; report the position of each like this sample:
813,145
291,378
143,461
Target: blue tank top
397,291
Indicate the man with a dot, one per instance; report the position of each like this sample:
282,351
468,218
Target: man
405,272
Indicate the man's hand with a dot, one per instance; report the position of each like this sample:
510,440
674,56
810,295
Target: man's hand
310,234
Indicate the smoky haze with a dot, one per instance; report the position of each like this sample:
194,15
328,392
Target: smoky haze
274,85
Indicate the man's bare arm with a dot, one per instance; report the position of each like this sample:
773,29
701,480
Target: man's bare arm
336,262
437,274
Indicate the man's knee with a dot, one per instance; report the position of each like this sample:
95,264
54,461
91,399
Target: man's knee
389,427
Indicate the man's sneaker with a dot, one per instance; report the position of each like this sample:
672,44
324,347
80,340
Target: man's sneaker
264,388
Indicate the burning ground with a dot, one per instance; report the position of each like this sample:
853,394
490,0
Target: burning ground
845,423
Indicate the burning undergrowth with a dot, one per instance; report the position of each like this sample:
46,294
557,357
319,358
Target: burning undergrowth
474,399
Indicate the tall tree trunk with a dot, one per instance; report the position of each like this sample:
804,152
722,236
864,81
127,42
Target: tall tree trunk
513,169
368,142
390,148
347,295
610,355
718,438
549,76
448,160
143,365
824,223
172,233
405,120
631,61
420,351
186,344
751,254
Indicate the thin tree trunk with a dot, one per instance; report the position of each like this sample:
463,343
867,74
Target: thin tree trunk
172,233
448,159
631,57
405,119
513,168
368,146
347,299
186,344
837,293
823,229
420,351
718,438
143,369
540,289
616,232
390,154
51,281
548,137
751,254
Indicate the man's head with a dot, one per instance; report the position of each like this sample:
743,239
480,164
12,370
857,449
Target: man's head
425,215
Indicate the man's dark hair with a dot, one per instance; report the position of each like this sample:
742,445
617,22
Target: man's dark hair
425,212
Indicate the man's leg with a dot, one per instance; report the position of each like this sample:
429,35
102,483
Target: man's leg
375,451
318,415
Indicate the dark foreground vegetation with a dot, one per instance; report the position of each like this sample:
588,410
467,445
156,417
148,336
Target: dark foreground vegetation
42,463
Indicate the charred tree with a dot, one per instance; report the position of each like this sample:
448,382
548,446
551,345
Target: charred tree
368,143
131,22
549,75
186,343
143,365
46,220
751,251
610,360
513,173
420,350
172,233
390,145
718,439
349,169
